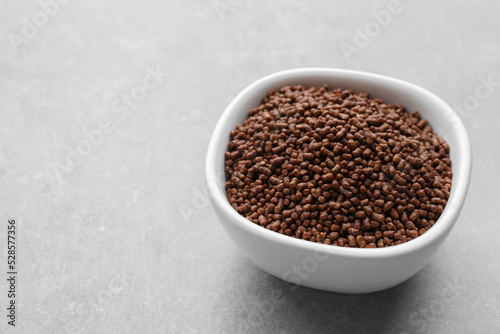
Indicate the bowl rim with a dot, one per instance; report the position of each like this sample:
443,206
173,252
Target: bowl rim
440,228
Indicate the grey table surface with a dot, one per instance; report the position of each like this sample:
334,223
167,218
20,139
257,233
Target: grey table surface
120,238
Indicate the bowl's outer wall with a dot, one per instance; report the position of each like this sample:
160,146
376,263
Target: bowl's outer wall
320,270
334,272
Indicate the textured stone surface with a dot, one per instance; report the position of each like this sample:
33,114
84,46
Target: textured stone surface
125,241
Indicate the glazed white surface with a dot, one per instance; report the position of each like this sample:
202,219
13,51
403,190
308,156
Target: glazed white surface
339,269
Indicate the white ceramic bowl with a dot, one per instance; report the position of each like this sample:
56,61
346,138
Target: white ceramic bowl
326,267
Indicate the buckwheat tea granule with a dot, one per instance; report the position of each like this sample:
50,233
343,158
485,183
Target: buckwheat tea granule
336,167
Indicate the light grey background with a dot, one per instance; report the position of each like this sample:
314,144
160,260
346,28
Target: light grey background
126,242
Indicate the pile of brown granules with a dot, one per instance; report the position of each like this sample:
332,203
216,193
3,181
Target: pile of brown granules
339,168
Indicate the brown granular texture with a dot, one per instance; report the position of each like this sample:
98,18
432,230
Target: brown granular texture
337,167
